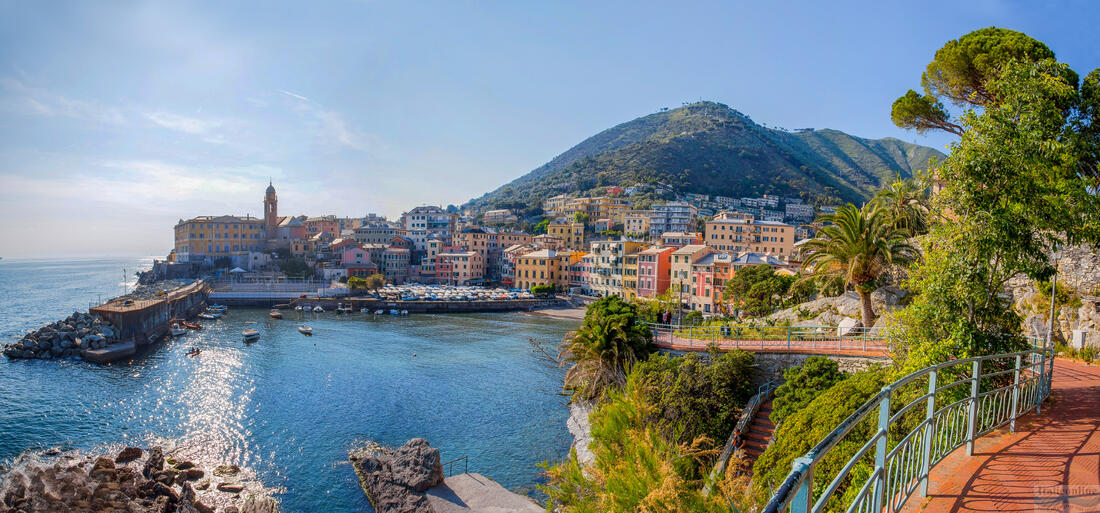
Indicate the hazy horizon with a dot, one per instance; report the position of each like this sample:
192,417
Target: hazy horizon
117,120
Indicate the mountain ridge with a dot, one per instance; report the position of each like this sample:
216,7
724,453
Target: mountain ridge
710,148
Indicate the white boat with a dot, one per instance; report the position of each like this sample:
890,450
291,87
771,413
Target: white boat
318,309
176,330
207,316
217,308
379,312
404,312
345,309
275,314
250,335
298,308
364,310
394,311
305,330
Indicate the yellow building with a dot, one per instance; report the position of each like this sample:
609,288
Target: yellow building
545,267
635,222
737,233
600,207
630,273
570,233
204,237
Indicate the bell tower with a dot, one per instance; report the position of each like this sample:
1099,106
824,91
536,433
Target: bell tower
271,212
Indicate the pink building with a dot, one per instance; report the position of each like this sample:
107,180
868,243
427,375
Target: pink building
654,271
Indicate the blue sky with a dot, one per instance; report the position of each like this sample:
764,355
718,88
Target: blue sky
117,119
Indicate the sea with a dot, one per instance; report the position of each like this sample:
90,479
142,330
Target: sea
287,408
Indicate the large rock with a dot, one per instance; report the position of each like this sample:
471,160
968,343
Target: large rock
395,479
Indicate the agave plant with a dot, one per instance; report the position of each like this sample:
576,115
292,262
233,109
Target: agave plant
602,350
857,248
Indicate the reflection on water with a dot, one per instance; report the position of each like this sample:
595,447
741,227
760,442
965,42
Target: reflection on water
289,407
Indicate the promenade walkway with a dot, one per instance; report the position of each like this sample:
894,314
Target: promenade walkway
1051,463
788,340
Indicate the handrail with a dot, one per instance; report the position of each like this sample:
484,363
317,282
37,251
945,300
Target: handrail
751,408
813,339
450,465
903,461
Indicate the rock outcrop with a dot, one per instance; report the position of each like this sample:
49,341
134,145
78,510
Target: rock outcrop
395,479
579,427
66,338
830,311
134,481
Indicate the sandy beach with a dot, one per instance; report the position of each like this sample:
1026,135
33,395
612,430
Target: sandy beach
574,313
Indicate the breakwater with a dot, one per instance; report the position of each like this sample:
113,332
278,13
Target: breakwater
112,331
372,304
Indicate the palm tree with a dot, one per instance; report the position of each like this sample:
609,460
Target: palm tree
602,350
906,204
857,248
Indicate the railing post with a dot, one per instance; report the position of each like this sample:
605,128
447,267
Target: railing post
1040,391
788,338
972,422
803,501
929,430
881,447
1015,393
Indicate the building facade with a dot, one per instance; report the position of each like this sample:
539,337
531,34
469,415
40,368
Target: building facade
742,232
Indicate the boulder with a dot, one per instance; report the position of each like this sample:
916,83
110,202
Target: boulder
260,505
395,479
230,487
128,454
226,470
154,464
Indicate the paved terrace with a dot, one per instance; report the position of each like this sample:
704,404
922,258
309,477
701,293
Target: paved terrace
1051,462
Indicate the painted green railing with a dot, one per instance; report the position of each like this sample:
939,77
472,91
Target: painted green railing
945,407
823,339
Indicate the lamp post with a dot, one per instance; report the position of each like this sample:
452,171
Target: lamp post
680,303
1053,294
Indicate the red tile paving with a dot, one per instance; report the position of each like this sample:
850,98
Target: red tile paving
1051,462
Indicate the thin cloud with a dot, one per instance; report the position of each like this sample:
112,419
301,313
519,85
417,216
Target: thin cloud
298,96
42,102
182,123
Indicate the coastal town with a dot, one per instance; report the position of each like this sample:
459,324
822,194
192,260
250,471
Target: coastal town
592,246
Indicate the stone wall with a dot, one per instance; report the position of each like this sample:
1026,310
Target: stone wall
772,365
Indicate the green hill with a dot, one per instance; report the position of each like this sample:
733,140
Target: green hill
712,149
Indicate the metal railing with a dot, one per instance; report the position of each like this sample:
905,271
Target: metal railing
743,423
825,339
448,466
909,441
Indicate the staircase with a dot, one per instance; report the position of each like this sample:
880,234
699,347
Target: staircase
759,434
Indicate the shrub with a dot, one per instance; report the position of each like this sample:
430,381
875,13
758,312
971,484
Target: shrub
544,289
802,384
806,427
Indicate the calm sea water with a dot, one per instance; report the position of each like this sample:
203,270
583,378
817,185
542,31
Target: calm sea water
288,407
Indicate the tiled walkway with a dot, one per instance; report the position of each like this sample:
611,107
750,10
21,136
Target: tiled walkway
1051,462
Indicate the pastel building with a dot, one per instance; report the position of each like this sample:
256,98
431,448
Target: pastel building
681,266
709,276
737,232
654,271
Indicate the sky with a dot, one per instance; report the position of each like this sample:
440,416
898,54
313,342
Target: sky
117,119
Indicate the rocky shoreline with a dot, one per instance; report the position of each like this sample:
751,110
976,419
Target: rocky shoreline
66,338
135,480
395,480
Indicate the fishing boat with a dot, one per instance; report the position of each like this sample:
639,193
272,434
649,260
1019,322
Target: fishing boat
193,352
275,314
344,308
176,330
207,316
305,330
218,308
318,309
191,325
250,335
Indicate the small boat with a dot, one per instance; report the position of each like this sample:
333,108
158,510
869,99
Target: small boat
318,309
305,330
404,312
364,310
191,325
394,311
345,308
379,312
250,335
207,316
275,314
176,330
218,308
298,308
193,352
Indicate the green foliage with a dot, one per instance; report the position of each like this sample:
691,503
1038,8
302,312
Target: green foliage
961,73
759,291
858,247
710,148
581,217
692,397
693,318
655,440
906,204
802,384
1064,296
356,283
806,427
375,281
540,228
602,350
295,268
543,289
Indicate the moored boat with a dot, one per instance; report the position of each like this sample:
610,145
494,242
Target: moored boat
305,330
191,325
275,314
250,335
176,330
207,316
318,309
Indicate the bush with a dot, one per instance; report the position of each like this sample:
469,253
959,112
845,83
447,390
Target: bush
356,283
802,384
693,318
543,289
809,425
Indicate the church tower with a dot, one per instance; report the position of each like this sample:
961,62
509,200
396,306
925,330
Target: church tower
271,212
